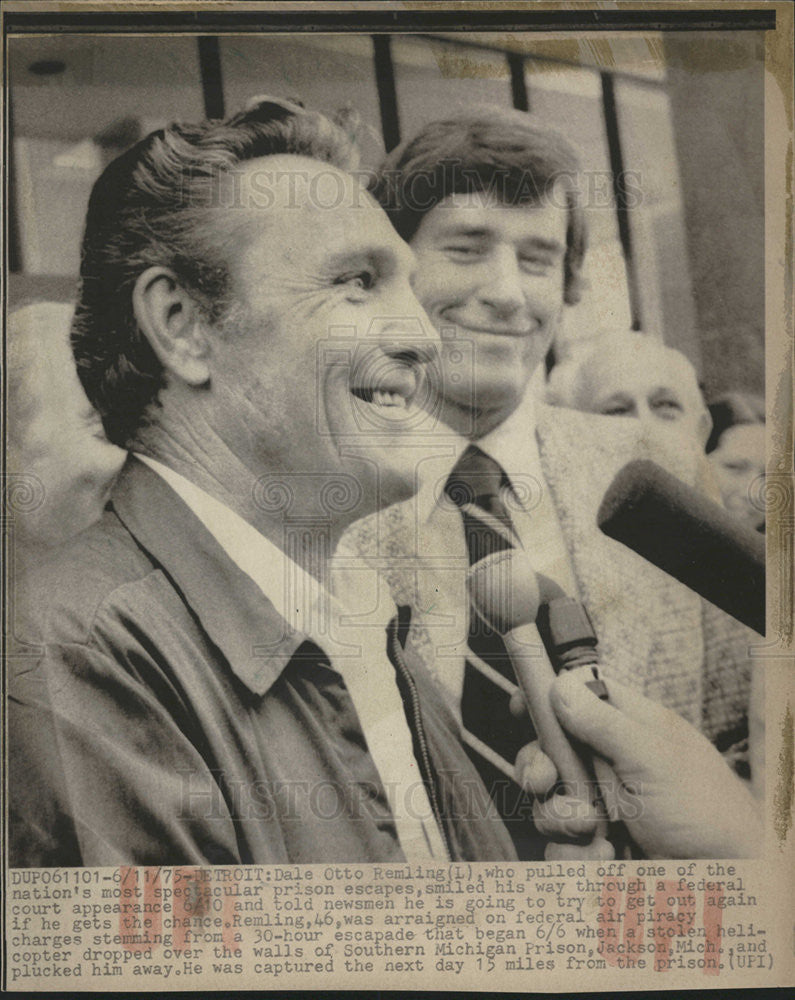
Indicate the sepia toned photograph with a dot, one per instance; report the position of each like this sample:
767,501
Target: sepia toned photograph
397,415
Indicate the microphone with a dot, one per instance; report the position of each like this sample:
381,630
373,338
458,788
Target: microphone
689,537
504,591
568,633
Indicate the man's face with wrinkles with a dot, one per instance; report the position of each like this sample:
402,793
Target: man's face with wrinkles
319,365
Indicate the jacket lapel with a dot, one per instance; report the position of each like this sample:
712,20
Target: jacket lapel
233,611
580,455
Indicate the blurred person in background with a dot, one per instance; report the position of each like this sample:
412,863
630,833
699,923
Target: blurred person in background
628,374
61,465
736,450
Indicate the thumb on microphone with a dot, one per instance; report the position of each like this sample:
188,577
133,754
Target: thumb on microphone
616,729
675,792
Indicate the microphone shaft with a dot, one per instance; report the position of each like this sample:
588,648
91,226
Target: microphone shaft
535,676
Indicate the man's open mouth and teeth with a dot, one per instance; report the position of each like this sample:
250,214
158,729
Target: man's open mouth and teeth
391,398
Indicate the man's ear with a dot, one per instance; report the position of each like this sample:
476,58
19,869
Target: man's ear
170,320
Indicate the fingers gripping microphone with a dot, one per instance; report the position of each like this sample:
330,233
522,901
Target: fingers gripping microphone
688,536
504,591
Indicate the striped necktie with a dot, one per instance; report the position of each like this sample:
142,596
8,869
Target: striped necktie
478,485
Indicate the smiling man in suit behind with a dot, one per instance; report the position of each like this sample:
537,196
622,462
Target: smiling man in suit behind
489,203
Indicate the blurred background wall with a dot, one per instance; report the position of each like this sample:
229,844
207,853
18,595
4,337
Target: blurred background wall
669,127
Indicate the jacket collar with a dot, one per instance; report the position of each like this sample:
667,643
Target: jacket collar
253,637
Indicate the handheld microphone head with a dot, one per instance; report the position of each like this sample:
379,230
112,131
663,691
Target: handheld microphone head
503,589
688,536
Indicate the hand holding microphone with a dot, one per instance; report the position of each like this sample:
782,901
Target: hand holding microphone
677,796
670,787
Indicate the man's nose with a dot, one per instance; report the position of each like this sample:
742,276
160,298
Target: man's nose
411,353
410,336
502,290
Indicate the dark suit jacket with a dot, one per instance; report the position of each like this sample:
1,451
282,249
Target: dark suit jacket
163,713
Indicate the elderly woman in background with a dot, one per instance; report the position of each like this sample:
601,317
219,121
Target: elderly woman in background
736,449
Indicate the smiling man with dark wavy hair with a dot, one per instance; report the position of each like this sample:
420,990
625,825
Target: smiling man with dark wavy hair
490,203
195,697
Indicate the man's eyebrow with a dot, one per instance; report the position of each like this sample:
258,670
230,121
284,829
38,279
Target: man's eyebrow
356,255
459,229
462,231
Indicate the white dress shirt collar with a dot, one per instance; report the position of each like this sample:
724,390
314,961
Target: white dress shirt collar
351,634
